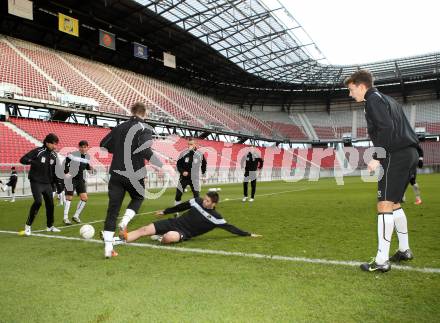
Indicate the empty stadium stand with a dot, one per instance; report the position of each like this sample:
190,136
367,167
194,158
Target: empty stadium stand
36,73
12,146
68,133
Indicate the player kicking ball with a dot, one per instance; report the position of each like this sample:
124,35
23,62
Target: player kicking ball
200,217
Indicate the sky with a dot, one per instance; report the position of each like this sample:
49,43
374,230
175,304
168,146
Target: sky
356,32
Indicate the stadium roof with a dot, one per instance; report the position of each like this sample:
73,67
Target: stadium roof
237,51
254,37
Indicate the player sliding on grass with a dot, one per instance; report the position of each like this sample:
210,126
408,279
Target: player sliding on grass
200,217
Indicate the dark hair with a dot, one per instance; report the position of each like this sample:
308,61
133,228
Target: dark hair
83,143
215,198
13,168
51,139
360,77
138,108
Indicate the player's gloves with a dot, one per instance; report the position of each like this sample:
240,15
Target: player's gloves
420,164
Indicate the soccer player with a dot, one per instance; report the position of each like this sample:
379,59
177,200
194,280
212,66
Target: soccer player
75,166
395,142
200,217
11,184
412,180
189,165
41,177
251,162
130,143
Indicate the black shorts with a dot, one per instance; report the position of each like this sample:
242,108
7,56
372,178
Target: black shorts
12,185
164,226
250,175
77,185
184,182
397,170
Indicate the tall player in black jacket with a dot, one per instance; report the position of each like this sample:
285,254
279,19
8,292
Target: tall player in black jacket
130,143
189,165
395,142
42,176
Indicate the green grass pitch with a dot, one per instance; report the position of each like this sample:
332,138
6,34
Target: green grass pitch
53,280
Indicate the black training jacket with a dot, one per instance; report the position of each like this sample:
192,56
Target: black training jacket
76,163
387,125
191,159
42,161
13,178
137,135
252,162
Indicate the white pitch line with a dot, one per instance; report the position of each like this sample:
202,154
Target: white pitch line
151,212
71,226
239,254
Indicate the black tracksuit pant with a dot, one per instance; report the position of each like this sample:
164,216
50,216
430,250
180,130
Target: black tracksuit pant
183,183
250,176
41,191
253,188
117,187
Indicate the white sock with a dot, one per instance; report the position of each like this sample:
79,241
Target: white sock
108,240
385,223
128,216
401,226
81,205
60,199
416,190
66,209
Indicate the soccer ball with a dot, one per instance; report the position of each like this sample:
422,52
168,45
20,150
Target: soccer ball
87,231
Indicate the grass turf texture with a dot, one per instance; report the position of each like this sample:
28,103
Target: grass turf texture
55,280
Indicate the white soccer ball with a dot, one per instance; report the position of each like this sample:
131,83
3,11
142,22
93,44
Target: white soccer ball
87,231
